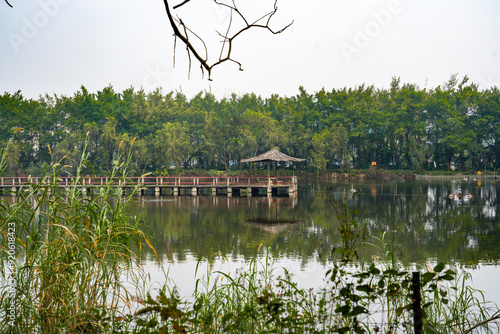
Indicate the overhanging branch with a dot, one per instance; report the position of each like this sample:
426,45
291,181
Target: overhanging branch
182,32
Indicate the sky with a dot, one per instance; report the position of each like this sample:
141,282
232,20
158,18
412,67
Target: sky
56,46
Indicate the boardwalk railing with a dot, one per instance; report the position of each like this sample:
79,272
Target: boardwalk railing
188,181
246,184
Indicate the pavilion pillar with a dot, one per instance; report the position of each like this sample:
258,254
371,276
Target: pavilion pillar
268,175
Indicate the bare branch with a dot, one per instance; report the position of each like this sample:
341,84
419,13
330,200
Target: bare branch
184,39
225,53
187,49
225,36
186,30
175,46
494,317
182,3
11,5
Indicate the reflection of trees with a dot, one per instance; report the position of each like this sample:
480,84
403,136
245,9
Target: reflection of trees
422,220
184,226
427,224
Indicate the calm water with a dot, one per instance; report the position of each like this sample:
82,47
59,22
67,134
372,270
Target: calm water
423,223
421,219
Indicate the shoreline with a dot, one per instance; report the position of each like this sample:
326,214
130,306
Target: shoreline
394,175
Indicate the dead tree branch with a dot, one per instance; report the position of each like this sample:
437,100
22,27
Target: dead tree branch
494,317
11,5
225,54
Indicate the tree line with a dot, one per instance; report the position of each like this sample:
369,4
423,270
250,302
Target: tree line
401,127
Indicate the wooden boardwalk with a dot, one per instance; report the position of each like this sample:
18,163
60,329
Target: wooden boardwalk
192,185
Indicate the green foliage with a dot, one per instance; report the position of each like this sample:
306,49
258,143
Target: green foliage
402,127
70,252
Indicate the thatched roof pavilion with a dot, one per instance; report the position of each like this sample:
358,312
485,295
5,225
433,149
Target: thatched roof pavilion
272,155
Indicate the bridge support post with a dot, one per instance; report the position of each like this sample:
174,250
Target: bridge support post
249,192
14,191
214,191
194,191
176,191
157,191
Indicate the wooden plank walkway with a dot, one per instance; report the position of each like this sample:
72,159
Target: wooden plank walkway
191,185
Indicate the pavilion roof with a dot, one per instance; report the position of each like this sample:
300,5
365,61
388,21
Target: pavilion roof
272,155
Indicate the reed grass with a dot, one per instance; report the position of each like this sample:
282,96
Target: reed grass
72,250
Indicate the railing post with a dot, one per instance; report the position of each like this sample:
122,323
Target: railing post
417,308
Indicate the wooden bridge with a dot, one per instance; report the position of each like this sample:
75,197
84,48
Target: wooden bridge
192,185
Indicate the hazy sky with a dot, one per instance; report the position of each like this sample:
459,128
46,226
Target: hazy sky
55,46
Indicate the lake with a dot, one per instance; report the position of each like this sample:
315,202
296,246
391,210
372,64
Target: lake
421,222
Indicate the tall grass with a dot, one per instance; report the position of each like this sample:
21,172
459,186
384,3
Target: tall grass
263,298
72,250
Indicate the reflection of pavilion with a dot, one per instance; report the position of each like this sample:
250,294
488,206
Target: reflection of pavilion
272,228
280,214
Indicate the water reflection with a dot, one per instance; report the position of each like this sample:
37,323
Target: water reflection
422,221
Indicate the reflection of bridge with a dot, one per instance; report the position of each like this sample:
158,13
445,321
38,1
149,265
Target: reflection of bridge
192,185
269,213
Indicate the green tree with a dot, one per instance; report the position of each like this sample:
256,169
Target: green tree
171,145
